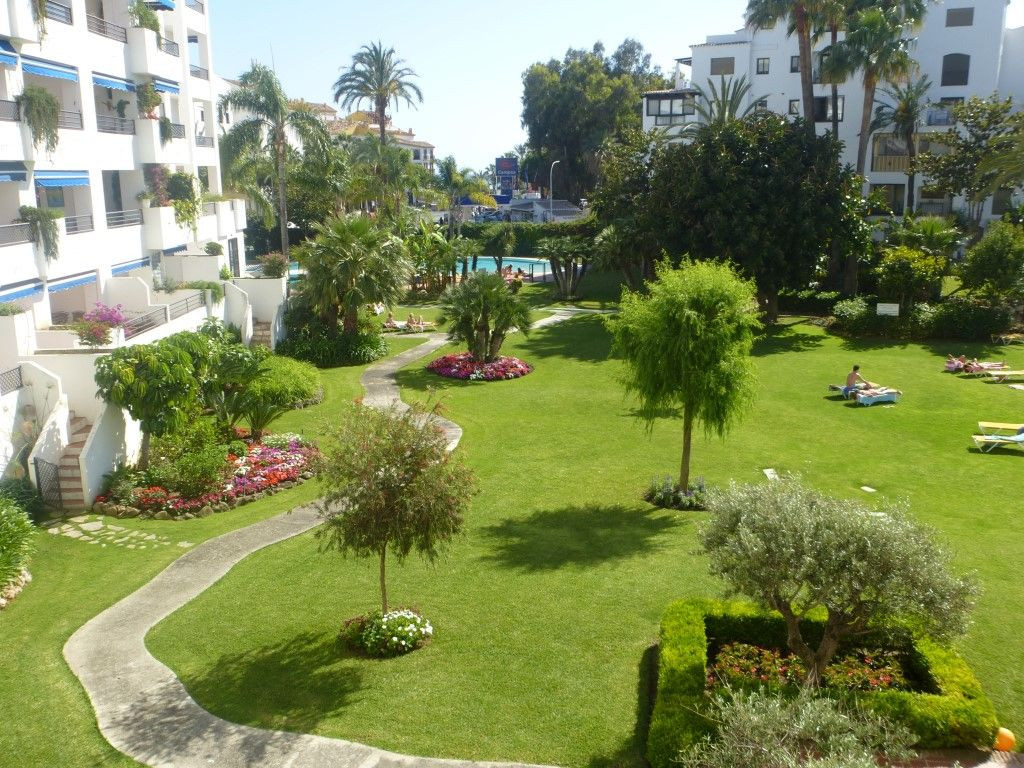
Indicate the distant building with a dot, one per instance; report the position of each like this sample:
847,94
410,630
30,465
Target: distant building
365,124
543,210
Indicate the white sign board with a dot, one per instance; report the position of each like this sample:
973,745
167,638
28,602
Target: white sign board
892,310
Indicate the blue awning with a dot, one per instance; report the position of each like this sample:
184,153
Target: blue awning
174,250
161,5
61,178
109,81
8,56
22,293
13,171
120,269
45,68
165,86
57,287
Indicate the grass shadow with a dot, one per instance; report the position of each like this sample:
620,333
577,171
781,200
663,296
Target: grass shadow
781,337
292,685
631,753
577,536
582,338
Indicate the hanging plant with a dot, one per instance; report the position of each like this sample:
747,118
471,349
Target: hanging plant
142,16
181,188
166,132
156,183
122,106
45,232
40,110
39,17
148,100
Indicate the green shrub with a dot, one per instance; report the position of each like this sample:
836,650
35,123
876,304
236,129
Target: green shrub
857,317
8,308
213,248
962,318
807,302
667,494
199,432
316,347
394,633
200,472
213,286
24,494
288,381
16,533
274,264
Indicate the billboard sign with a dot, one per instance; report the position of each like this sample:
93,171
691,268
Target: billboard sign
507,171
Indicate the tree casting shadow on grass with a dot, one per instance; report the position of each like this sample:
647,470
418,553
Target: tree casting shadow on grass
577,536
782,338
632,750
582,338
292,685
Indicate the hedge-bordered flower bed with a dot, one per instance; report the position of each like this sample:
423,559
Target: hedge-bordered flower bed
463,366
956,714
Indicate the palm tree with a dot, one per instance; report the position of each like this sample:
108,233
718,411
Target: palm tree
482,310
903,113
831,15
383,173
376,76
457,183
351,263
717,106
271,117
763,14
1005,161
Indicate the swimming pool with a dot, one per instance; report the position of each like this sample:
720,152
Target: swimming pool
538,269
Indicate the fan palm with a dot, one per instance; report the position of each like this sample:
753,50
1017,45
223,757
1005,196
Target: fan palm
350,263
482,311
272,116
723,104
457,183
903,113
1005,161
763,14
383,173
379,77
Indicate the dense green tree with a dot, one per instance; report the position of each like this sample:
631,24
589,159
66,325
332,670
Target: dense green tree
799,552
1003,165
271,117
982,126
481,311
456,184
377,76
431,254
687,345
903,112
391,485
994,266
909,275
571,106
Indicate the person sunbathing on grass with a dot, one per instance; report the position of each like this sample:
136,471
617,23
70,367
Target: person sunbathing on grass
390,322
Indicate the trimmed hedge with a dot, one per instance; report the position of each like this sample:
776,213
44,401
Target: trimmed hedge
528,234
808,302
956,713
953,318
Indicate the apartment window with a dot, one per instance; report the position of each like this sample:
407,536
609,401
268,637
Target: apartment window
959,17
762,66
670,109
894,195
1002,201
761,105
794,63
725,65
823,108
948,102
794,106
956,69
415,154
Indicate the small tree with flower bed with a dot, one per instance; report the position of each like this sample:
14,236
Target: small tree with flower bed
482,310
390,484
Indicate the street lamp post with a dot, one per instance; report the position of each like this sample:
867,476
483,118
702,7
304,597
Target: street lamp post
551,190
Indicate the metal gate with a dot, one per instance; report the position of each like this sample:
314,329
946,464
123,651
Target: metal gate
48,481
233,256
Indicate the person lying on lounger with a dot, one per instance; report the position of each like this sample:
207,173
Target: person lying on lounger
391,322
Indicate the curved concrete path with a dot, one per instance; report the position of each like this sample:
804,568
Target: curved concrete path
143,709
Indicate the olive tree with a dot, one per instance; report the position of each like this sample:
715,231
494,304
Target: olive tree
390,484
481,311
687,344
799,552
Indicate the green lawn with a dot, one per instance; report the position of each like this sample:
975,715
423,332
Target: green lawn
72,582
545,610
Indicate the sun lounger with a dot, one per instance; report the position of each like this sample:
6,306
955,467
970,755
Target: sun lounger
987,443
1003,375
1009,338
877,395
995,427
973,369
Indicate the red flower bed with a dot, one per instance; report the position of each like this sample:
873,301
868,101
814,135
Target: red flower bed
463,366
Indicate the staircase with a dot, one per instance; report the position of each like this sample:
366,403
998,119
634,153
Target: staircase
69,472
261,335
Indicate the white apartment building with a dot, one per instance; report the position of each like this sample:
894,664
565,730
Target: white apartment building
962,46
112,242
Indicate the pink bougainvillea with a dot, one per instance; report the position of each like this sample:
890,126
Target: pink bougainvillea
463,366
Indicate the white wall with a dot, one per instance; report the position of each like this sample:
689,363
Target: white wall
76,371
115,439
237,310
187,267
132,293
17,338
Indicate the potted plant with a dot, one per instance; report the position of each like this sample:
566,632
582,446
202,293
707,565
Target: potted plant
148,100
213,248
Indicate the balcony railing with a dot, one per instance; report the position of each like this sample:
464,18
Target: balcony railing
186,305
9,110
204,141
890,163
11,381
200,72
935,207
68,119
168,46
143,323
123,218
105,28
13,234
58,12
108,124
177,131
74,225
195,5
940,117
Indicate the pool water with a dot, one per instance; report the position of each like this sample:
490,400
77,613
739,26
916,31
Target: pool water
536,267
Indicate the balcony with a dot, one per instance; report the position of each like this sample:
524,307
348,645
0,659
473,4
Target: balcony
58,12
10,111
940,117
177,131
238,206
200,72
74,225
168,46
225,218
161,231
148,55
890,163
204,141
150,146
12,234
195,5
68,119
117,219
108,124
102,27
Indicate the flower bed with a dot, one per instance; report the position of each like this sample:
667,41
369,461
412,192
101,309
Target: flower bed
394,633
463,366
281,461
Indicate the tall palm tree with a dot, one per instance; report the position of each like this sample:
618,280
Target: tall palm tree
457,183
903,113
379,77
831,16
723,104
350,263
271,117
1005,161
763,14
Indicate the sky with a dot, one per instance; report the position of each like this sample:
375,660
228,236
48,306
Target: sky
469,56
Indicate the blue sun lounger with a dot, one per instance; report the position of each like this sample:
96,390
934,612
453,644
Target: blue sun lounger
986,443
